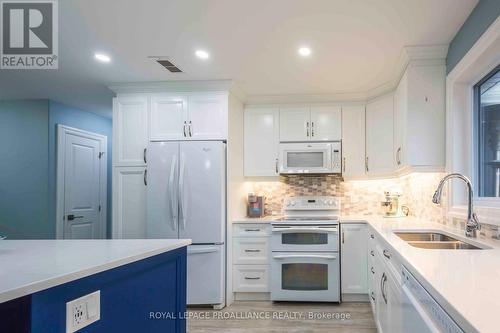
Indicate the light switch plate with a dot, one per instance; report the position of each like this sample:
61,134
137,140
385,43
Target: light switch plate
83,311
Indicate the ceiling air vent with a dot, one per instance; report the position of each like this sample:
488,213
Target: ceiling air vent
169,65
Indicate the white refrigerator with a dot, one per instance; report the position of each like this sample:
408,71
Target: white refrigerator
186,198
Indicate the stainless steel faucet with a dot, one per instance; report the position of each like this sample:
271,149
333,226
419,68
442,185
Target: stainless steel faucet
472,225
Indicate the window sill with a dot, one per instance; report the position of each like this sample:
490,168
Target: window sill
485,214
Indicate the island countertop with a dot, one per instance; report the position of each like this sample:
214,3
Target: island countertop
29,266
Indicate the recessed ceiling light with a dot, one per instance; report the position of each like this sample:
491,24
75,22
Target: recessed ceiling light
102,57
202,54
304,51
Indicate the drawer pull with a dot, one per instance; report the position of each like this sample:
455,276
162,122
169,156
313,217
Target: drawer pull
249,250
372,296
252,278
252,230
371,236
373,271
372,253
387,254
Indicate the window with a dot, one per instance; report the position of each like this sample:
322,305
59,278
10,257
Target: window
487,117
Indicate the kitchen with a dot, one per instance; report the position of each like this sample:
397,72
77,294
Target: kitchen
330,168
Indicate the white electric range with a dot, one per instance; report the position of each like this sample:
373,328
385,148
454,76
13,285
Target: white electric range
305,250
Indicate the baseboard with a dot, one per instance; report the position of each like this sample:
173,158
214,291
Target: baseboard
355,298
252,296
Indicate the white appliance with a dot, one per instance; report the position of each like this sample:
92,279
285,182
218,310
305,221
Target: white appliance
320,157
305,261
186,199
421,313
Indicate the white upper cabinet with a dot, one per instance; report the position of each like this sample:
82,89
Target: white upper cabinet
166,117
326,123
207,116
353,141
295,124
419,136
130,130
261,141
379,136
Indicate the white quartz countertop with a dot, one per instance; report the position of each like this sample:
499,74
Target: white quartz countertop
29,266
464,282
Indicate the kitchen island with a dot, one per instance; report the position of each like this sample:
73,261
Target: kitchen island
135,278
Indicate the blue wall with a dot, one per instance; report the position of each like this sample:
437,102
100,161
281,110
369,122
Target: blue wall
24,169
483,15
69,116
28,140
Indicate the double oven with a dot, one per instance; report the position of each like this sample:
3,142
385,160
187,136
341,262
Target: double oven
305,260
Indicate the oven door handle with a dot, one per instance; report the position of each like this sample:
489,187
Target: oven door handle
313,230
293,256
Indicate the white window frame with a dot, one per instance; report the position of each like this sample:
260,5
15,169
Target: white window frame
479,61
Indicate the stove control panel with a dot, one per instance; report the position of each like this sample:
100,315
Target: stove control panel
312,203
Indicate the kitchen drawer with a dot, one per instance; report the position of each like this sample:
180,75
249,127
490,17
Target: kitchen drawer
251,250
251,278
251,230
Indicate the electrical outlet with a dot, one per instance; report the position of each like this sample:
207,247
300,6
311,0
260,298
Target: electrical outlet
83,311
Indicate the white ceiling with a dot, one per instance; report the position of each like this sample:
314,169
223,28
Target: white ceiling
356,44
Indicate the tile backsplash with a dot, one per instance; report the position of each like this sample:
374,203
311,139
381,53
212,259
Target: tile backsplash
361,197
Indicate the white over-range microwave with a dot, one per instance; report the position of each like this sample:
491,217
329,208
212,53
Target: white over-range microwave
319,157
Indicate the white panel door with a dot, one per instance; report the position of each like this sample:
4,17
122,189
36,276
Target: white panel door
130,130
82,187
326,123
207,116
380,136
202,197
162,190
129,202
295,124
354,259
166,117
261,141
353,141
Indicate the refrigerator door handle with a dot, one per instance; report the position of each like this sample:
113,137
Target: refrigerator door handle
181,192
172,193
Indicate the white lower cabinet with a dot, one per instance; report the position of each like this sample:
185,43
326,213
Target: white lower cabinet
251,259
129,202
354,260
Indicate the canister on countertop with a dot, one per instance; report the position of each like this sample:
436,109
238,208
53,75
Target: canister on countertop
255,205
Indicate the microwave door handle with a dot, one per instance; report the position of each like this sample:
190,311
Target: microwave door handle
315,256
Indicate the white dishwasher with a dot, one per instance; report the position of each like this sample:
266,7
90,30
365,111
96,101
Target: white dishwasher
421,313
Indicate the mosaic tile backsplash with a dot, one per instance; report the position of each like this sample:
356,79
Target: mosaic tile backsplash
363,197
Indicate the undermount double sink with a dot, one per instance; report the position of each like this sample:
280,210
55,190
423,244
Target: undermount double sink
435,241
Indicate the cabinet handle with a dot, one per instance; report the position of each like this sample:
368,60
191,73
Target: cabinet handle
371,236
366,164
251,251
384,280
307,129
345,162
184,129
144,155
146,177
372,253
343,237
387,254
190,128
398,156
71,217
252,278
276,166
373,271
372,296
252,230
312,128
